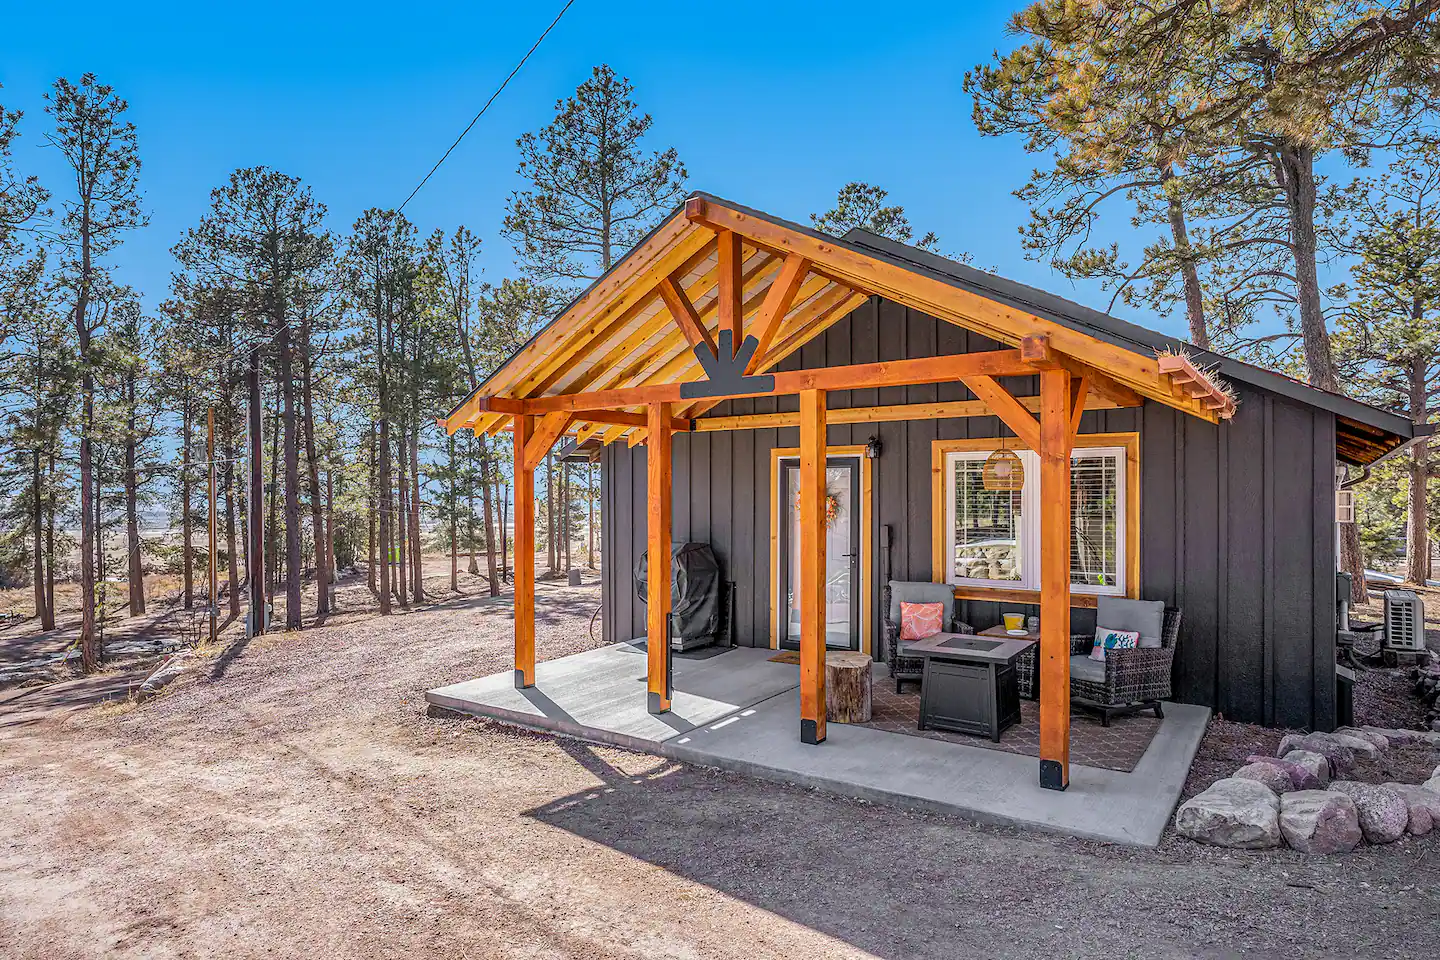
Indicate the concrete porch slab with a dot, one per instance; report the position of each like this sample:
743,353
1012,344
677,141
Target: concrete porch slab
600,694
737,711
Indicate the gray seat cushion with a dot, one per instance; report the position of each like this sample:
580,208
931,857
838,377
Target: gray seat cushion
1145,617
1083,668
907,591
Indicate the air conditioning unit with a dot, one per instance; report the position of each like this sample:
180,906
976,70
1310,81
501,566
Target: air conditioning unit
1344,506
1404,621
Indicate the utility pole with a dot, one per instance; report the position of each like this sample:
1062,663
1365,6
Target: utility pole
256,550
214,560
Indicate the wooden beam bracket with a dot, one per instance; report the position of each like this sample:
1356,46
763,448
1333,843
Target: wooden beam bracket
1010,410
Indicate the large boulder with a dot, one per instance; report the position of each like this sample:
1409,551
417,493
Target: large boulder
1275,777
1434,782
1320,821
1424,807
1234,812
1384,814
1380,741
1301,777
1341,757
1315,764
1362,747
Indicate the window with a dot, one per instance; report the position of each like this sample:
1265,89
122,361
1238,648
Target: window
991,538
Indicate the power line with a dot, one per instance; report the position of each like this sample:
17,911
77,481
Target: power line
497,93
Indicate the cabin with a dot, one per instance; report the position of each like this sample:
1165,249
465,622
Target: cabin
823,413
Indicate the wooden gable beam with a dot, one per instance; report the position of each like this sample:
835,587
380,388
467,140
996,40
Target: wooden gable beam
811,320
886,373
609,323
679,363
607,372
634,278
685,315
730,285
946,301
778,300
1010,410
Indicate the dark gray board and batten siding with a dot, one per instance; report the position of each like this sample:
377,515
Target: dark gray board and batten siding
1236,520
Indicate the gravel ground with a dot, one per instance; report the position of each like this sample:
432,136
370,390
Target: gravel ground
297,801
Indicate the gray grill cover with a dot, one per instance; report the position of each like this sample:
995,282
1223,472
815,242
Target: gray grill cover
694,590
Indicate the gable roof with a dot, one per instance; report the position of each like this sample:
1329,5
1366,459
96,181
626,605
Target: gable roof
1365,432
621,332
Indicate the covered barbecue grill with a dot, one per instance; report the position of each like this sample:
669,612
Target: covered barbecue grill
694,594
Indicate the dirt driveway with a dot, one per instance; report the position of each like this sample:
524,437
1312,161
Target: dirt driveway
298,802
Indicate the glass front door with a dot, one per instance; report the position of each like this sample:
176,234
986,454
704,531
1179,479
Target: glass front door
842,553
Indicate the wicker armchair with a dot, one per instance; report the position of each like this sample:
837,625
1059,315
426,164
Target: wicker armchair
903,668
1132,680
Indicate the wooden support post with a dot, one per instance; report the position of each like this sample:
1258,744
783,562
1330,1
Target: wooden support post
657,604
524,556
812,566
1055,443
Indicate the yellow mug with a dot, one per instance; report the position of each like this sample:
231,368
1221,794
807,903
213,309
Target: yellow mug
1014,621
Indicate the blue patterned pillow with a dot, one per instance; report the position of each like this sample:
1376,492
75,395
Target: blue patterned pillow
1106,639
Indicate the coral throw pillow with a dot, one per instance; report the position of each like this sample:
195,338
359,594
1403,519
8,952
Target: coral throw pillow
920,620
1113,640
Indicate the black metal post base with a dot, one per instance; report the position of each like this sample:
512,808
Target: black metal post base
1052,775
654,703
807,732
520,683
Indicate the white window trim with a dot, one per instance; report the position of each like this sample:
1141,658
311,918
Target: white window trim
1030,522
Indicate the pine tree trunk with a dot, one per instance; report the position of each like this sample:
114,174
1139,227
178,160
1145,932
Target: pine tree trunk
1298,180
50,545
134,569
255,538
372,500
387,514
101,594
37,520
330,528
550,559
454,519
488,488
293,563
417,566
187,547
272,529
401,542
312,464
1190,277
1419,534
470,503
505,530
231,546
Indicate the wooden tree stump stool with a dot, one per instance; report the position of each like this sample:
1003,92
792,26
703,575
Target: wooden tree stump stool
847,686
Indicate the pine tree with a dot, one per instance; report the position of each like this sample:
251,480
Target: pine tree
863,205
1388,337
264,236
594,190
101,154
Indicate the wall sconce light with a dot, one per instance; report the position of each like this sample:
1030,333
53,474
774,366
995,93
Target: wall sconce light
872,448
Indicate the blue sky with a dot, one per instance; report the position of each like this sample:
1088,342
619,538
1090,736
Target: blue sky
772,105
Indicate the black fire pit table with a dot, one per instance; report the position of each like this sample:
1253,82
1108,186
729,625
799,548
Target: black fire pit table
969,684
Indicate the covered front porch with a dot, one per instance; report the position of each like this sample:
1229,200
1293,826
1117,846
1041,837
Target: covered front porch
696,315
734,708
